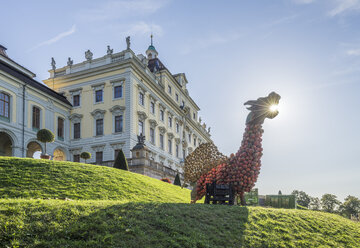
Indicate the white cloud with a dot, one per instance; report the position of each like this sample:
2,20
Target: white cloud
55,39
343,6
142,28
353,52
121,9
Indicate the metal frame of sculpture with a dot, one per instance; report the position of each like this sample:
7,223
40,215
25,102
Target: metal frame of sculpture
242,168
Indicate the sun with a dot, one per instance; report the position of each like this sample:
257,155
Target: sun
274,108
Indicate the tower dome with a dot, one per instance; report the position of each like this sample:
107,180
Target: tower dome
151,52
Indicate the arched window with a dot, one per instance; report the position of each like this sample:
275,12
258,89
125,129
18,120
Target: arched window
4,105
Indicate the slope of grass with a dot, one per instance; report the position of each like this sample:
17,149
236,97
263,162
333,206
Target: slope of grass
33,178
108,223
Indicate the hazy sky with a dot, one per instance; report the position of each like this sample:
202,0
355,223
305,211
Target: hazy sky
231,51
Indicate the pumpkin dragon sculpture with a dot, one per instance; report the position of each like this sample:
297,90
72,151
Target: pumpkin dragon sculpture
241,169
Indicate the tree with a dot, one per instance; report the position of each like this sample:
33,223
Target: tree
329,203
351,207
45,136
302,198
121,162
314,203
177,180
85,155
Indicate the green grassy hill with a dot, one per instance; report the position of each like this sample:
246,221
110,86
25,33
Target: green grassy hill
122,209
31,178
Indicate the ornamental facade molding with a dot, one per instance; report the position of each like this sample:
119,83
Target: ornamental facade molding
98,113
117,145
98,148
76,91
152,98
162,129
141,88
97,87
117,110
118,82
184,143
170,135
76,150
177,141
162,106
142,115
153,123
75,117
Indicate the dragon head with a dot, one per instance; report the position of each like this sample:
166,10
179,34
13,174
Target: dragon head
262,108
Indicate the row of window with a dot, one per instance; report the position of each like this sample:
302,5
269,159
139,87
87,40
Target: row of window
99,127
99,95
36,111
161,139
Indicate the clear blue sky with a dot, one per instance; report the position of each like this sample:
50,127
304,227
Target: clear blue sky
231,51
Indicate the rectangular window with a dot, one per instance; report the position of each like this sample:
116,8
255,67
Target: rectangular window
152,107
99,157
141,128
189,137
118,124
162,115
170,146
194,141
177,150
76,130
60,130
76,158
118,91
170,121
152,135
36,118
169,89
141,98
76,100
177,97
177,127
4,105
162,141
98,96
184,153
99,127
194,116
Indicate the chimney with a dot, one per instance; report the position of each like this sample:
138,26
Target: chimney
3,51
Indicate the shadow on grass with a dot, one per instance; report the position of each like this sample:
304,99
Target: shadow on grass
146,225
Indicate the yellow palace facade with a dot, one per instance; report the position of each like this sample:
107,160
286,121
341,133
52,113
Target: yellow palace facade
101,105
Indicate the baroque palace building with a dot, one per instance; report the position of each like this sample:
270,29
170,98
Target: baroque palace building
102,105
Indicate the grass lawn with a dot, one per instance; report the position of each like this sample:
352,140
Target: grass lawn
114,208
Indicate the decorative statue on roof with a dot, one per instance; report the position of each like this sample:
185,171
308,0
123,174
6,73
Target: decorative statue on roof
70,62
109,51
242,169
53,63
128,42
88,55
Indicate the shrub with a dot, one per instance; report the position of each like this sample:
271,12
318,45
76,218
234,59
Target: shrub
166,180
45,136
177,180
85,155
121,162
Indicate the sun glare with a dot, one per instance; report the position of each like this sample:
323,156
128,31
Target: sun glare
274,108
